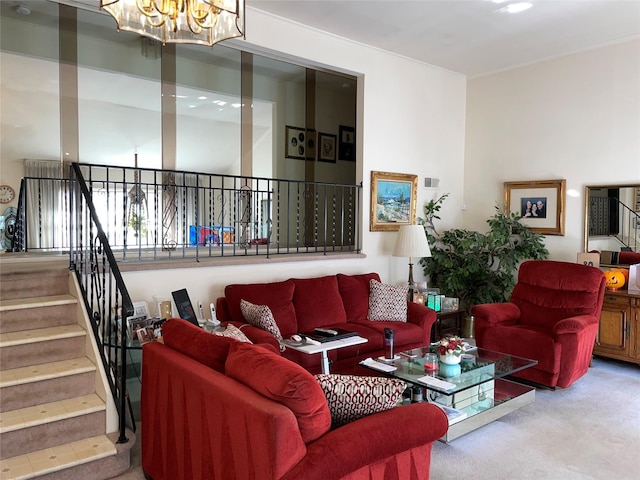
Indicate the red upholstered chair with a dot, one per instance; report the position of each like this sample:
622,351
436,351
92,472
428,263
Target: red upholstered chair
552,317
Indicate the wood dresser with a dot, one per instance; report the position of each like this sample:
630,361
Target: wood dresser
619,329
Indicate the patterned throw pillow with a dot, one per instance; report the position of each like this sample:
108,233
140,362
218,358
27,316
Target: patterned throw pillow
387,302
352,397
260,316
233,332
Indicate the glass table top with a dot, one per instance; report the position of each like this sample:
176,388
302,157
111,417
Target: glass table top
478,366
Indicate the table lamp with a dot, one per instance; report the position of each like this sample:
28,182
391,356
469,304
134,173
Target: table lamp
411,242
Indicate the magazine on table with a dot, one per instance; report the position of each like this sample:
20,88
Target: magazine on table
453,415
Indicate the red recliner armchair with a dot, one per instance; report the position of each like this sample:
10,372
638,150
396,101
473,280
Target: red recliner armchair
552,317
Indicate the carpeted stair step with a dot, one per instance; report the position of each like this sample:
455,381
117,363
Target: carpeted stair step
51,424
28,386
32,347
33,282
37,312
83,459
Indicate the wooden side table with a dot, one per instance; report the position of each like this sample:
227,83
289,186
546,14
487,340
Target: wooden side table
449,322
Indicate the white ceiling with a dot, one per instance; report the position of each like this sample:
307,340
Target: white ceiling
467,36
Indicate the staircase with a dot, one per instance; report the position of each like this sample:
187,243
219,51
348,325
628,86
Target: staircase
56,414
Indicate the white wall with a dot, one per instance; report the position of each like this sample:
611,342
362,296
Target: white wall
412,122
575,117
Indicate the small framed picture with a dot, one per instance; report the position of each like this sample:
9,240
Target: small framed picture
311,145
347,143
327,147
296,143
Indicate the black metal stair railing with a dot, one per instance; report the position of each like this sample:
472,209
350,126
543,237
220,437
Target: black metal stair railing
105,295
150,214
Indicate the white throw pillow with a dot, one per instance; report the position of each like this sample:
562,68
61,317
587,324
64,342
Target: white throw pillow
387,302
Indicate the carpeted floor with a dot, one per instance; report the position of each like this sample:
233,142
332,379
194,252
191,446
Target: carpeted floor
590,431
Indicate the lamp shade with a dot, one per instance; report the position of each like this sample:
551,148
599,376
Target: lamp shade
412,242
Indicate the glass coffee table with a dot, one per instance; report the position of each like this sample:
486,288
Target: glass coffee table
473,395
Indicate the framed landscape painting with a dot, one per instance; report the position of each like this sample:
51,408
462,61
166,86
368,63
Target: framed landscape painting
539,203
393,201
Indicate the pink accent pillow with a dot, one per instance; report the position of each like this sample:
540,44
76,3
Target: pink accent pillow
387,302
350,397
354,290
284,382
278,296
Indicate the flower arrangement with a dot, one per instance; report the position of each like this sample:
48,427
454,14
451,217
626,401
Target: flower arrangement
451,346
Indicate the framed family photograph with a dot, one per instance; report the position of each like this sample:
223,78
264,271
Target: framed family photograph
393,201
541,204
296,143
327,147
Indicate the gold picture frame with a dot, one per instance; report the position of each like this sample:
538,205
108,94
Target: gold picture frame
541,204
393,201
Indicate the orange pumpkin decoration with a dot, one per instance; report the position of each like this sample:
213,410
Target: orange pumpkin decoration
625,272
615,279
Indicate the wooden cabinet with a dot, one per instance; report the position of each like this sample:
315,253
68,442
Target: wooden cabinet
449,322
619,329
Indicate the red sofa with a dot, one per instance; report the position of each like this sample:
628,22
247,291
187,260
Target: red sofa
209,412
552,317
333,301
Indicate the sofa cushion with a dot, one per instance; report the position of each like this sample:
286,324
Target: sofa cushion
282,381
233,332
352,397
202,346
387,302
354,290
278,296
260,316
317,302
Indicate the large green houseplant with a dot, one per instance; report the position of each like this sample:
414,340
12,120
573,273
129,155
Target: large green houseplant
478,267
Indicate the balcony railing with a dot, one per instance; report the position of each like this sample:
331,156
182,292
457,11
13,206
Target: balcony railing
149,214
610,217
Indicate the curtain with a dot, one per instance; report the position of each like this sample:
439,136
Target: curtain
47,205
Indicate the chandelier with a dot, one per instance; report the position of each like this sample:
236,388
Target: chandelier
204,22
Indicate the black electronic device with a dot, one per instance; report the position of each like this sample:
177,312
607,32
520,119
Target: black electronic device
184,306
324,337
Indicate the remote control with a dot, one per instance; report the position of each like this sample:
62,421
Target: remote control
326,331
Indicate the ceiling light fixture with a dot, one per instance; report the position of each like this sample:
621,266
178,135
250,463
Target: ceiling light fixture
516,7
203,22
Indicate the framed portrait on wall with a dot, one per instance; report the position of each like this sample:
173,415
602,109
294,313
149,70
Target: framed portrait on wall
541,204
327,147
347,143
393,201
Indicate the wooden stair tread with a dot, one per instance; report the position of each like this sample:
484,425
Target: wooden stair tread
45,371
57,458
36,302
50,412
24,337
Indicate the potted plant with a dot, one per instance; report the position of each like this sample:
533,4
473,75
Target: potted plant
478,267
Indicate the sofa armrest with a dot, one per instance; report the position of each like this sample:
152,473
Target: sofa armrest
574,324
496,313
222,309
370,440
422,316
257,335
488,315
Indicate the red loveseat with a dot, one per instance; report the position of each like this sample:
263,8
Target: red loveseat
214,408
552,317
333,301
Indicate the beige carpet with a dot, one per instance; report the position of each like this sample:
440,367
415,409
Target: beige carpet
590,431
